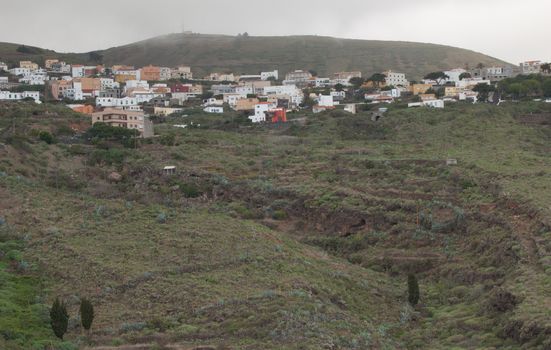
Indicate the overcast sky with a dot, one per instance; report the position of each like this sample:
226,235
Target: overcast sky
508,29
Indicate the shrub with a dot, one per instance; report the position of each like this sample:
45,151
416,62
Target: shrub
413,290
46,137
59,318
86,313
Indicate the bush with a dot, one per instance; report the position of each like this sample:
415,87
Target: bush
59,318
413,290
46,137
86,313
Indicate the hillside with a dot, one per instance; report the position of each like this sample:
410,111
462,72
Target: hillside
208,53
292,237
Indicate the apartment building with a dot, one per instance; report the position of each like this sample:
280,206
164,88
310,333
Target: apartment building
135,120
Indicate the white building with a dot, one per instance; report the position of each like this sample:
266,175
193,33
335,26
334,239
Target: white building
165,73
267,75
325,100
428,103
231,99
322,82
244,89
136,84
17,96
454,74
472,82
20,72
260,110
214,109
121,103
3,67
298,76
108,83
295,95
213,102
530,67
395,93
395,79
34,79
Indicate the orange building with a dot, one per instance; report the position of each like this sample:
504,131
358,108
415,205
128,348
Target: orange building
58,88
89,85
84,109
150,73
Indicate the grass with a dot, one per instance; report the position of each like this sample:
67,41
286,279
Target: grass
301,235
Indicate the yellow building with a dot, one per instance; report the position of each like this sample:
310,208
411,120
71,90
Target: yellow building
417,89
28,64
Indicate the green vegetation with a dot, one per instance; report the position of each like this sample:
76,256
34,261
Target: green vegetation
289,236
413,290
86,313
325,55
59,318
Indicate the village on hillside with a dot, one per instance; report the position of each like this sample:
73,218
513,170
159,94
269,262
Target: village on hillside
127,96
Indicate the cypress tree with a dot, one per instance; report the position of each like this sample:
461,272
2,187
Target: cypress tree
86,313
59,318
413,290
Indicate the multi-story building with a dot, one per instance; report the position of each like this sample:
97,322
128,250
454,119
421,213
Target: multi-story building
181,72
49,63
267,75
530,67
28,64
346,76
298,76
135,120
18,96
150,73
290,92
395,79
165,73
260,110
20,72
454,75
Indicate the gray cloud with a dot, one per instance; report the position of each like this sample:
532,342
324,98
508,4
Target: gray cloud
503,28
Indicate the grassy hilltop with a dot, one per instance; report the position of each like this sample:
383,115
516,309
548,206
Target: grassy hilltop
292,237
248,55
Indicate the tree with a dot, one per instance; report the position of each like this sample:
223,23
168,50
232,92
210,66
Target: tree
546,68
546,87
339,87
480,65
59,318
413,290
377,79
483,91
533,87
86,313
465,75
438,77
517,90
356,82
313,72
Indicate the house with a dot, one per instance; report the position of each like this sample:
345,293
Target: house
28,65
338,95
181,72
322,82
246,104
120,103
89,86
164,111
165,73
428,103
213,102
290,92
346,76
123,75
61,67
267,75
260,110
220,89
3,67
136,84
18,96
214,109
221,77
20,72
34,79
454,75
395,79
417,89
150,73
494,73
108,83
134,120
325,100
110,92
297,76
277,115
530,67
469,83
49,63
80,71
